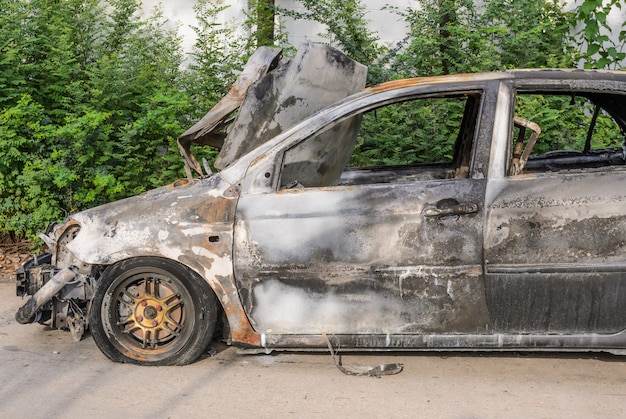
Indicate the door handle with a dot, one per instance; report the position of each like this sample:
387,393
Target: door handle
460,209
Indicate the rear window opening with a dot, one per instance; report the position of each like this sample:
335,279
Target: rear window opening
576,132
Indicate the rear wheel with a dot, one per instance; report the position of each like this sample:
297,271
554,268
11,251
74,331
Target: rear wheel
152,311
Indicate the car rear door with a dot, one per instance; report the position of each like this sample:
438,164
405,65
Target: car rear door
555,237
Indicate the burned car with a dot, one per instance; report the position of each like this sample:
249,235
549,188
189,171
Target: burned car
462,212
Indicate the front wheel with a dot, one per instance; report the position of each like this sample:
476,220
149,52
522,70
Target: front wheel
152,311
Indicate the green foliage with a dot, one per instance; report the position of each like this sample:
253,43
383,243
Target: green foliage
93,98
565,122
264,22
443,38
600,47
11,79
93,94
218,53
414,132
530,33
24,200
453,36
264,19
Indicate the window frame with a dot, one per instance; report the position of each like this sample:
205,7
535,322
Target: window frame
552,90
387,98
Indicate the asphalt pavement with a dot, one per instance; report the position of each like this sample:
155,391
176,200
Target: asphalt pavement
45,374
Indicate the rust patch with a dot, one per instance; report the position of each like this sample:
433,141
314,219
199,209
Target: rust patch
218,210
418,81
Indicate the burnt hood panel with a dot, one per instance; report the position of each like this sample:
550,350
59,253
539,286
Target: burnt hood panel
273,94
316,77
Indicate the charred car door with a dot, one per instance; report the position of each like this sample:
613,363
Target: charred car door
556,225
392,249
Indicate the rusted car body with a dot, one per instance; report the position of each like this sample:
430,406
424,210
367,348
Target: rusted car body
285,248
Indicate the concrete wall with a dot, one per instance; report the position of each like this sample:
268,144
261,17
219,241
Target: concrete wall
381,21
387,25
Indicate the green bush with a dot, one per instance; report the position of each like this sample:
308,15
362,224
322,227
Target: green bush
93,94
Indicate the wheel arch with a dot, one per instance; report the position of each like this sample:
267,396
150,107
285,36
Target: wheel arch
222,284
224,287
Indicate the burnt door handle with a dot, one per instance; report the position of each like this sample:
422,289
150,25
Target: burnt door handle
459,209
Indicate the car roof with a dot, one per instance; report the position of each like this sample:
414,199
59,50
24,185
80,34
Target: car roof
517,74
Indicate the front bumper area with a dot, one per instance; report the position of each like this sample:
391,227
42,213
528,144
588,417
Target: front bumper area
58,297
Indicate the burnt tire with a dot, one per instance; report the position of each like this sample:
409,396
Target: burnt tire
152,311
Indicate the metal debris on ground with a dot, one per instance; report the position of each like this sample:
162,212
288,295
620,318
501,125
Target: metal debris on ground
363,370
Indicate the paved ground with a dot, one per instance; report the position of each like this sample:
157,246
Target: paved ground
47,375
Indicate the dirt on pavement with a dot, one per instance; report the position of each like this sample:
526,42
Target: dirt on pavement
12,255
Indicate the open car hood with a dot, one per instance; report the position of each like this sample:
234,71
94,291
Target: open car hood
271,95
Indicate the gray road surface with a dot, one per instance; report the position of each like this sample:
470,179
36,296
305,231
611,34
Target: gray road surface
47,375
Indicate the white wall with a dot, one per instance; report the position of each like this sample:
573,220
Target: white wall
384,22
182,13
387,25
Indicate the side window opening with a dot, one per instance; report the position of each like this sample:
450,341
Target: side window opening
413,140
558,132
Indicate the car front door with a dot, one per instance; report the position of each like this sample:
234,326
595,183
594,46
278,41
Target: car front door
392,250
